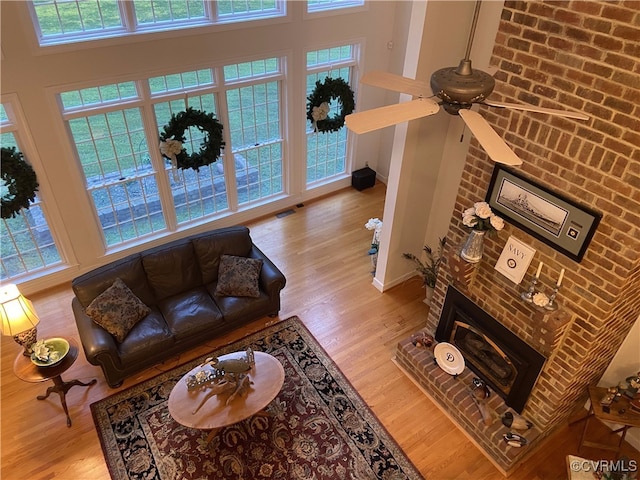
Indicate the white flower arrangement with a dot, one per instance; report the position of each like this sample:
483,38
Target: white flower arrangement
481,217
43,353
540,299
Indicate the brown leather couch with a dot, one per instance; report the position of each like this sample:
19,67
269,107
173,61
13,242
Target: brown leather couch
177,281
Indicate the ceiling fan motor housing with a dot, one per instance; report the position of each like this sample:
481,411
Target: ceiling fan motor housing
460,87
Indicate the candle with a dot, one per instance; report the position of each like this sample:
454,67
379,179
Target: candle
560,278
539,270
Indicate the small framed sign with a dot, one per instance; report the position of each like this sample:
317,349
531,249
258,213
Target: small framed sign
515,260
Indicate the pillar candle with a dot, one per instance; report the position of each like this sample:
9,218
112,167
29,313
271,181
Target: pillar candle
560,278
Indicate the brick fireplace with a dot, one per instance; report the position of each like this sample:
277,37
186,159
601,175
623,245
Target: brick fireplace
583,55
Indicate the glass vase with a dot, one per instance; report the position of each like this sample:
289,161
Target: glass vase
474,246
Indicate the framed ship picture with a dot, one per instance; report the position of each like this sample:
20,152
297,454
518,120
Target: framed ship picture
552,218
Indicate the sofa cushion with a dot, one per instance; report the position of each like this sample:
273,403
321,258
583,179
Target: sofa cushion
210,246
238,277
148,338
117,310
191,313
172,269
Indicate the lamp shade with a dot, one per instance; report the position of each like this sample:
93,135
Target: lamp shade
16,311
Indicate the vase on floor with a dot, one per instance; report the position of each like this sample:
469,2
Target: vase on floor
474,246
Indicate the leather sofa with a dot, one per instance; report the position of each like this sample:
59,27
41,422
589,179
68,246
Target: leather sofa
176,284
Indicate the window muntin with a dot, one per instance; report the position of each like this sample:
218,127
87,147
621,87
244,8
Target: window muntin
177,82
26,242
102,95
327,152
156,12
61,20
327,5
64,21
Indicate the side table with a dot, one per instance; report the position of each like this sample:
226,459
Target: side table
27,371
619,412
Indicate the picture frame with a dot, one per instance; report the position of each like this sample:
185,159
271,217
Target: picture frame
552,218
515,259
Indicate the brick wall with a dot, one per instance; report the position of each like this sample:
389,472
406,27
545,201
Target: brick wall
583,55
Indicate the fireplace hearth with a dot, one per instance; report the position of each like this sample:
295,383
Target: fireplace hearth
506,363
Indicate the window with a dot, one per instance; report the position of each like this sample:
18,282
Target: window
327,152
325,5
64,21
124,172
112,148
26,241
255,129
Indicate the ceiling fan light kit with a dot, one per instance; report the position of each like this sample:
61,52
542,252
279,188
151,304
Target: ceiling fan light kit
458,89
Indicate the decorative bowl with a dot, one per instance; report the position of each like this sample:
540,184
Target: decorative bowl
58,349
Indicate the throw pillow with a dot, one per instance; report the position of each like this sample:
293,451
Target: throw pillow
117,310
238,277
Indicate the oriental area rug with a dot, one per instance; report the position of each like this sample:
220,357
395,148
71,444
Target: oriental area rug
318,426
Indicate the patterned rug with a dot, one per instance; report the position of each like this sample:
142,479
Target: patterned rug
318,427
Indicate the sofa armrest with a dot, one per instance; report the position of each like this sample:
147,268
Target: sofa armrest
95,340
272,280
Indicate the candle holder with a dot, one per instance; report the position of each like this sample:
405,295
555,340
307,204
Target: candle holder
553,305
527,296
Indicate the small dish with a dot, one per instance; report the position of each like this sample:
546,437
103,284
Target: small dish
449,358
58,349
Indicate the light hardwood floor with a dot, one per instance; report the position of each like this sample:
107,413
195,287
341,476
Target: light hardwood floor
322,249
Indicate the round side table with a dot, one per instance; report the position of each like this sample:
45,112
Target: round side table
27,371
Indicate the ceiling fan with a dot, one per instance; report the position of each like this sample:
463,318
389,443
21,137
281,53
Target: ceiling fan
458,88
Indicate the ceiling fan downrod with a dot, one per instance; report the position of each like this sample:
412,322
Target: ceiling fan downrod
464,68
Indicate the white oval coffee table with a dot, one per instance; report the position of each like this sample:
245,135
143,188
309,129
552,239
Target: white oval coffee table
267,377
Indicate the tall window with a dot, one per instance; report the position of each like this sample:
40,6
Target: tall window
255,128
124,172
63,21
327,152
26,241
195,194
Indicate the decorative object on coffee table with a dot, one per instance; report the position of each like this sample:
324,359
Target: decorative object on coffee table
237,396
316,407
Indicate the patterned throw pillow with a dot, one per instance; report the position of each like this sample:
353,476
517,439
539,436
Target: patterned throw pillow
238,277
117,310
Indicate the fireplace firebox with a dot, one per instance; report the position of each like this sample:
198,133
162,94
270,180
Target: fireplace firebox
505,362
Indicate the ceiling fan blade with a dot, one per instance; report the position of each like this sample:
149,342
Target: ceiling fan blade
495,147
396,83
533,108
377,118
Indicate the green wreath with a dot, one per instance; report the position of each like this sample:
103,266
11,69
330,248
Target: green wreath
318,104
20,183
172,137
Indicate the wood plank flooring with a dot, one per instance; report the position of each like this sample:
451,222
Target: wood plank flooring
322,249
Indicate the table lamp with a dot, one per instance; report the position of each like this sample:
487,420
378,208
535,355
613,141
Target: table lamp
19,318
